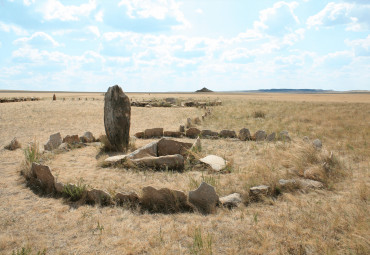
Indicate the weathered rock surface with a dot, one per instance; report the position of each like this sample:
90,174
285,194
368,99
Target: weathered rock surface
317,144
192,132
117,114
204,198
208,133
59,187
227,133
153,132
70,139
189,123
197,145
87,137
284,136
54,141
257,192
172,147
271,137
149,150
289,184
232,200
164,201
13,145
115,159
96,196
44,175
129,199
182,129
215,162
172,133
139,135
244,134
260,135
171,162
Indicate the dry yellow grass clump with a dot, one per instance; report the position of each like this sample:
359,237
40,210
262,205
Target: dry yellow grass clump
333,220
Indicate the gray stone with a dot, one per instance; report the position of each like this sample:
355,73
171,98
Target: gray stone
260,135
244,134
170,100
170,162
87,137
228,133
100,197
172,147
317,144
284,136
151,149
117,114
59,187
208,133
204,198
44,175
54,141
271,137
197,145
115,159
215,162
164,201
232,200
189,123
306,139
192,132
153,132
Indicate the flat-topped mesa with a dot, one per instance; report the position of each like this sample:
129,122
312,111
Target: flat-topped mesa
117,114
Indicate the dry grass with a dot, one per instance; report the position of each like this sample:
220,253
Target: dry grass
334,220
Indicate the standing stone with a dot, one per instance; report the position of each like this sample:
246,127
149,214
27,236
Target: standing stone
317,144
204,198
54,141
260,135
182,128
44,175
117,113
244,134
271,137
54,97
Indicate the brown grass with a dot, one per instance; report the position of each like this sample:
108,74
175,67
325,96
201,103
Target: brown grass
334,220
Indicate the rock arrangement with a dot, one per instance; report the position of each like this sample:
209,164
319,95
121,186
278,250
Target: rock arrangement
56,142
173,102
18,99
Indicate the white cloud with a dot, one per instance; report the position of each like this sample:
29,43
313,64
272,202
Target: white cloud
38,39
355,16
199,10
94,30
99,16
12,28
28,2
54,9
361,47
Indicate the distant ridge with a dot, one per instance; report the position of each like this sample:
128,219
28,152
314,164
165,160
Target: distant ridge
288,91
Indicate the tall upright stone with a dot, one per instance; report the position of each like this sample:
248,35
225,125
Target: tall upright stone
117,113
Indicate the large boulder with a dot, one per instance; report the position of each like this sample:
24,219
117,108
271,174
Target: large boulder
117,114
54,141
215,162
172,147
204,198
44,175
171,162
192,132
227,133
153,132
164,201
244,134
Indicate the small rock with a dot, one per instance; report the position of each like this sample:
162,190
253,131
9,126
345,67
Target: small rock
232,200
130,199
45,176
260,135
13,145
59,187
182,129
306,139
204,198
257,192
153,132
215,162
164,201
96,196
192,132
208,133
189,123
172,147
271,137
172,134
87,137
197,145
244,134
139,135
317,144
54,141
170,162
289,184
71,139
228,133
284,136
283,182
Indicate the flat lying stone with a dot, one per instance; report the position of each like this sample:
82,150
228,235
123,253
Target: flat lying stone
171,147
215,162
172,133
115,159
129,199
204,198
192,132
153,132
171,162
151,149
208,133
227,133
96,196
232,200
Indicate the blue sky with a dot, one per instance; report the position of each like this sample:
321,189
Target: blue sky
168,45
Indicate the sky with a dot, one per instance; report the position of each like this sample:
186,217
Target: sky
169,45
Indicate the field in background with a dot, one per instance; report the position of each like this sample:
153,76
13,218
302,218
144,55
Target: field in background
330,221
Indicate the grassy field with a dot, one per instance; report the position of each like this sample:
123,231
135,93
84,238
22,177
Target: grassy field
333,220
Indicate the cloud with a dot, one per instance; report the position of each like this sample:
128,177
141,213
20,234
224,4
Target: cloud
355,16
99,16
12,28
199,11
38,39
54,9
28,2
361,47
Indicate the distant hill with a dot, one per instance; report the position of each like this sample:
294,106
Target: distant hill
289,91
204,90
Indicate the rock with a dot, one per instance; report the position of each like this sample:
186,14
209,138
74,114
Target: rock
87,137
215,162
232,200
317,144
227,133
192,132
164,201
189,104
182,128
260,135
244,134
172,147
271,137
71,139
197,145
54,141
13,145
153,132
289,184
115,159
172,134
129,199
117,114
306,139
284,136
283,182
149,150
189,123
44,175
59,187
204,198
96,196
310,184
197,121
139,135
170,100
208,133
54,97
170,162
257,192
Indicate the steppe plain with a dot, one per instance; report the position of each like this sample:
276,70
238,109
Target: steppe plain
333,220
